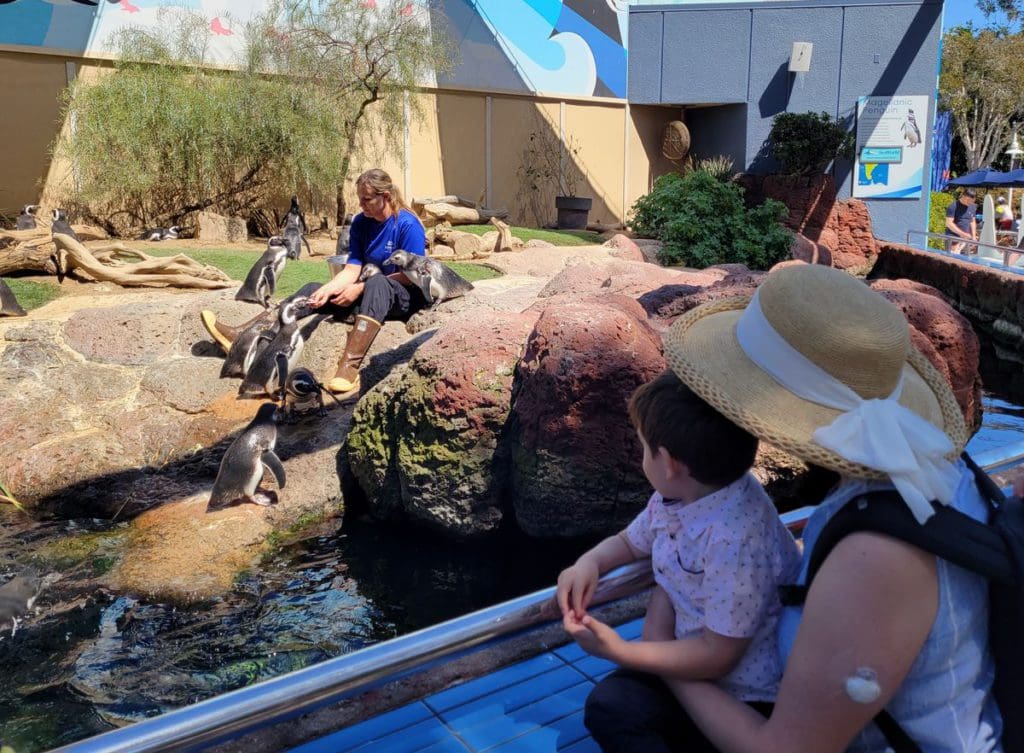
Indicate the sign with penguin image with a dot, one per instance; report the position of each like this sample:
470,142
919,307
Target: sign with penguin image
890,149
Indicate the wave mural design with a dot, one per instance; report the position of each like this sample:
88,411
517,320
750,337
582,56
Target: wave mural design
549,46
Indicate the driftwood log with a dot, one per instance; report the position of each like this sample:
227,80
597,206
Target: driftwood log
506,241
431,214
107,264
417,204
465,245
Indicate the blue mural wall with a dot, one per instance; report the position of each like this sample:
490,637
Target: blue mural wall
568,47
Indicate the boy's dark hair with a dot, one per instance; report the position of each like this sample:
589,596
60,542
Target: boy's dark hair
669,414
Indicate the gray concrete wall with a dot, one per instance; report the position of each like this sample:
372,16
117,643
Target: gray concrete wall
706,54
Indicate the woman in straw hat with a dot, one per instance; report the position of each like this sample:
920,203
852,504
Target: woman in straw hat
819,365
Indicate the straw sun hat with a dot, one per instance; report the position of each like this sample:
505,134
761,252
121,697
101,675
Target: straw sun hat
837,323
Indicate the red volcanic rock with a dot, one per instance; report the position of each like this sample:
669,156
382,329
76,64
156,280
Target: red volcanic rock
623,277
856,245
576,459
625,248
674,301
806,250
944,336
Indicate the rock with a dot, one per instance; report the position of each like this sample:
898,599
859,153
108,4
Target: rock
625,248
671,302
425,442
630,278
806,250
133,334
649,248
441,251
945,337
575,456
215,228
488,239
538,243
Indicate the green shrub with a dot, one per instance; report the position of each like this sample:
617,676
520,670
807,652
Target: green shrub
702,221
937,216
807,142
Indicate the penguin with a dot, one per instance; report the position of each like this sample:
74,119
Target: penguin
18,596
27,219
261,281
910,130
436,281
368,271
9,305
299,391
60,224
242,467
294,230
344,236
160,233
246,348
261,377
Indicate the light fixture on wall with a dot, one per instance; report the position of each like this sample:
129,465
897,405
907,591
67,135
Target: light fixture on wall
800,57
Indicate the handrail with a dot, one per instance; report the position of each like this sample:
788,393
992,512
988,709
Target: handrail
303,690
948,240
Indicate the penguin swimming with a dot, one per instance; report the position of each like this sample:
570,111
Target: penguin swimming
247,345
299,391
161,233
294,231
9,305
261,281
27,219
261,377
18,596
242,467
437,281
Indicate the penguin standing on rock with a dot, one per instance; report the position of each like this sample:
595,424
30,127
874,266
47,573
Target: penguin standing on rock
436,281
27,219
262,376
247,345
9,305
261,281
300,391
242,467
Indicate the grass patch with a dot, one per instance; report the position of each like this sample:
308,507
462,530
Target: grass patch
557,237
296,273
32,294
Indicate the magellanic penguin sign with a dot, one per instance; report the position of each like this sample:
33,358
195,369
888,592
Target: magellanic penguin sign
890,152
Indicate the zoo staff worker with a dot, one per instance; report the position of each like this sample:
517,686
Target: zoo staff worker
960,220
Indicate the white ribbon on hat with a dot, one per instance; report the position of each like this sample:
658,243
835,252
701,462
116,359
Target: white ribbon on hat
881,434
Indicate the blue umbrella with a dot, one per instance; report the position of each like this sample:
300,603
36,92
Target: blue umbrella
984,177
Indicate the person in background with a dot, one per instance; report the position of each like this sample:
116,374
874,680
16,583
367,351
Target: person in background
960,221
1004,214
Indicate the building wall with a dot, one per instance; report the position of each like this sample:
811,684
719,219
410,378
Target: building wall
861,48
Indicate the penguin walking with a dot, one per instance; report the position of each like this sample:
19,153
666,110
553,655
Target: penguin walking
262,375
261,281
435,280
9,305
18,596
294,230
299,391
242,467
27,219
910,130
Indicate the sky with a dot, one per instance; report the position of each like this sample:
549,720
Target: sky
959,12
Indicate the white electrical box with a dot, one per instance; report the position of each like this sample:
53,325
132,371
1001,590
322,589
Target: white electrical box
800,57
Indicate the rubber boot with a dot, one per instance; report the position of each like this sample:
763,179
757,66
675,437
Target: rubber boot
223,334
346,380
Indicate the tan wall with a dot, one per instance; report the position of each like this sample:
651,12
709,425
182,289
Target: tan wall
30,88
445,151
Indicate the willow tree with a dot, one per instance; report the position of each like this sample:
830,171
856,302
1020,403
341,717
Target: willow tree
173,129
358,56
982,84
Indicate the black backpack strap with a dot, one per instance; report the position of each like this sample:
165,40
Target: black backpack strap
898,740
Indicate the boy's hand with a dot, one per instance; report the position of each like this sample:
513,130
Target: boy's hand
594,637
576,586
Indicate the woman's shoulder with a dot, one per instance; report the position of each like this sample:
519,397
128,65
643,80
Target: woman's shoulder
405,217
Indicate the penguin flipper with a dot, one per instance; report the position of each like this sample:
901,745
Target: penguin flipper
308,249
424,285
273,464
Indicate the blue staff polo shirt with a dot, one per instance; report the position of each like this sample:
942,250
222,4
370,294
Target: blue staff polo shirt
373,242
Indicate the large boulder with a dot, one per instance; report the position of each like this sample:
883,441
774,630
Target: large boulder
215,228
425,442
575,456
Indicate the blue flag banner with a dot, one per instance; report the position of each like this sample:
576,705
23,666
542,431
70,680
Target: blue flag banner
942,146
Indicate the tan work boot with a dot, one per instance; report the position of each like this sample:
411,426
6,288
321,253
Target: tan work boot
223,334
346,381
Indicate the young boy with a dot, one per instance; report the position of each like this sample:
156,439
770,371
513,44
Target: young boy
719,552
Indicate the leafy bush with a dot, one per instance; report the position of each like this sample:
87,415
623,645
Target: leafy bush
937,216
805,143
702,221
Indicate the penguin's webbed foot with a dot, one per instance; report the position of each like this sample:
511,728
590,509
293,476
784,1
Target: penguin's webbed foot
264,498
